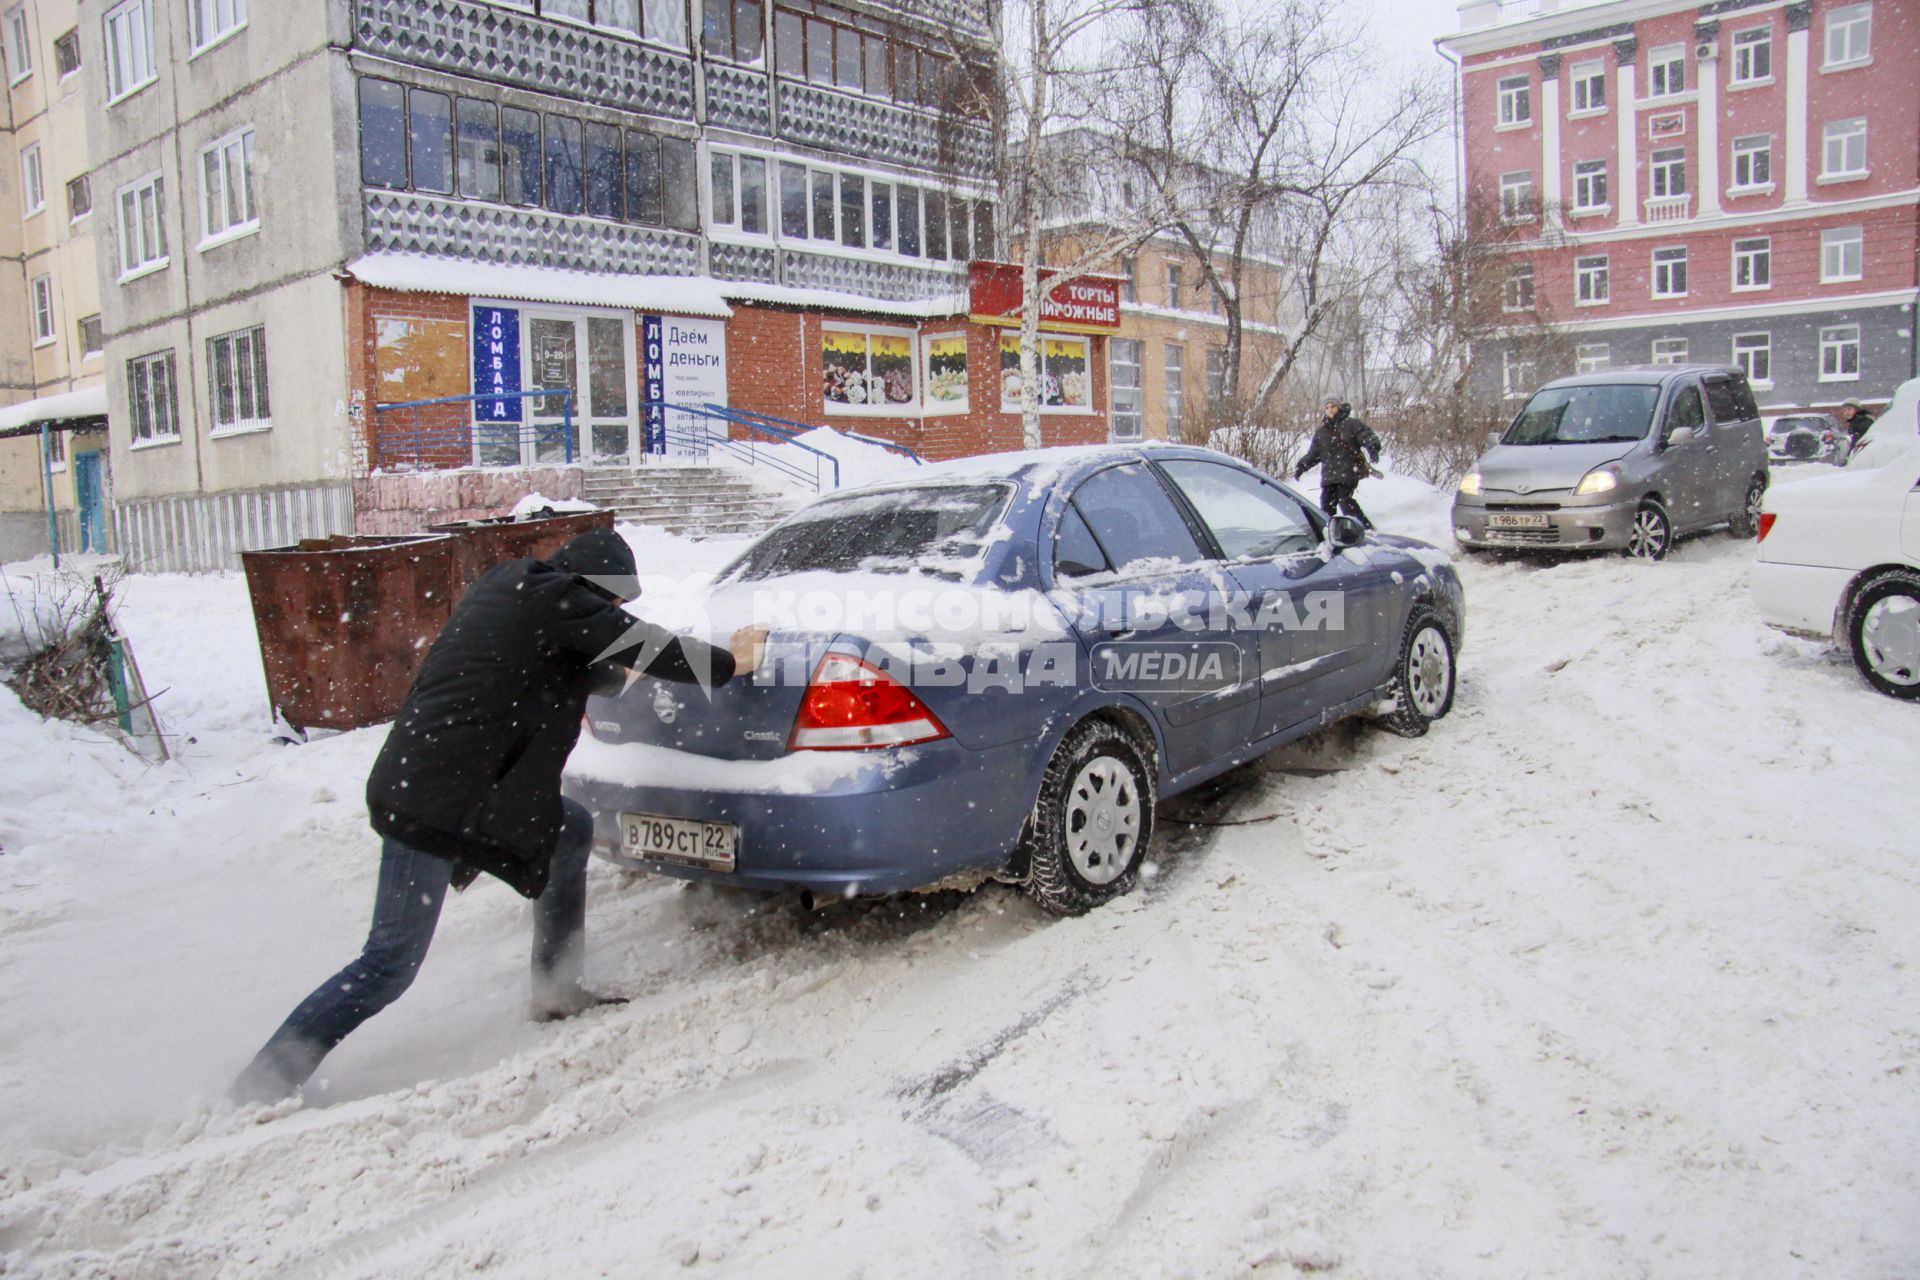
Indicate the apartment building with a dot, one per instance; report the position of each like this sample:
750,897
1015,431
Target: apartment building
1736,181
53,444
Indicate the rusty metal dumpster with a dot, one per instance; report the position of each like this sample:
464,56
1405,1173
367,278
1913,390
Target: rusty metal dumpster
344,622
481,544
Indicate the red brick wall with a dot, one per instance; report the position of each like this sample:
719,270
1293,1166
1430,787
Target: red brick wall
449,426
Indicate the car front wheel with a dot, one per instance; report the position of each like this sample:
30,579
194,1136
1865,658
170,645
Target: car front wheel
1883,628
1089,829
1422,689
1651,536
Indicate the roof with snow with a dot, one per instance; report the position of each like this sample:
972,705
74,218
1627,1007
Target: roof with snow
87,402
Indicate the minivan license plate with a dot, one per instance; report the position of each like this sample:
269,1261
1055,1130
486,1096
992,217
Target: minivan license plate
1517,520
691,843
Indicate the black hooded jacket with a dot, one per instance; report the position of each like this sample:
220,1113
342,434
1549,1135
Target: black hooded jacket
1337,446
471,769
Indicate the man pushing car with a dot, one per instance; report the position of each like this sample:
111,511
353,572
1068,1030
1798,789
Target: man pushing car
469,782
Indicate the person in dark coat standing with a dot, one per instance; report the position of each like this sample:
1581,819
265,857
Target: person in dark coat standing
1856,419
469,782
1345,449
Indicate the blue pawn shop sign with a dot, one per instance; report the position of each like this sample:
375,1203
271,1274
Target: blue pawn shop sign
496,364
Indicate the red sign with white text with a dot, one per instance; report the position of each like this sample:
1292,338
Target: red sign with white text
1090,304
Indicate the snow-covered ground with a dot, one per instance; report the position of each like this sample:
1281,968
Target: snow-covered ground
1610,975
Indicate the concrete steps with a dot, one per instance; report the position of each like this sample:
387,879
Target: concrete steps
700,502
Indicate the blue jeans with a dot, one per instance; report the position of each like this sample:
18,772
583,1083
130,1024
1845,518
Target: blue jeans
406,908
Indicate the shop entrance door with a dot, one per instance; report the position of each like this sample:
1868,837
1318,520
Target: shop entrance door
592,357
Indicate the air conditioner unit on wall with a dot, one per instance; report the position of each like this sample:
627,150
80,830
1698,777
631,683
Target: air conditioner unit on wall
1706,51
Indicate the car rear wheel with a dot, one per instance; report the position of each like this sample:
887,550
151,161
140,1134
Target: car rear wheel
1089,829
1423,683
1746,522
1651,536
1883,628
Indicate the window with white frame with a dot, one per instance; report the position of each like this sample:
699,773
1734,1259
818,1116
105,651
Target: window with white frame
1591,286
1840,353
214,20
1516,293
129,48
79,197
1843,148
1516,101
1589,81
1667,71
1668,173
1670,273
1176,371
1669,351
56,451
1753,56
867,370
143,231
1066,377
153,410
33,183
1173,285
19,46
1849,34
738,198
237,381
226,187
92,339
1128,414
1591,357
1516,196
1753,352
1753,263
1516,374
1753,162
1589,186
1841,254
43,331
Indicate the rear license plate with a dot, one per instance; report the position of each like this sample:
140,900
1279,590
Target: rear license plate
1516,520
686,841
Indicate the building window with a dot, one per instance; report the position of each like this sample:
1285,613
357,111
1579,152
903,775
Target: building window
1128,414
1589,87
1669,351
237,381
1667,71
867,370
793,207
1753,263
1844,149
150,398
33,191
43,331
129,42
872,59
1590,186
1753,55
1516,374
1753,352
1173,285
92,342
1175,359
1590,283
143,232
1516,293
1216,375
606,172
566,171
1849,32
1669,172
66,53
732,30
19,46
1516,196
79,198
1591,357
226,187
1516,101
214,20
1841,255
1840,353
1753,163
1129,281
1066,376
944,371
739,196
1670,273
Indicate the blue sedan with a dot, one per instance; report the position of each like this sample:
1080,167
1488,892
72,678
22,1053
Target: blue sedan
996,666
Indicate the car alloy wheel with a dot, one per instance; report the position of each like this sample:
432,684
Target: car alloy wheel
1651,534
1423,684
1092,821
1747,523
1883,625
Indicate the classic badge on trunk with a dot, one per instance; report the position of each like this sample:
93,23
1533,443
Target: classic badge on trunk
665,706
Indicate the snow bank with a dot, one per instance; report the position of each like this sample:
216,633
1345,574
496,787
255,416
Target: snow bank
538,503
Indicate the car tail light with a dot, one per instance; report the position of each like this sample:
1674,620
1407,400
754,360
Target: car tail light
851,706
1766,524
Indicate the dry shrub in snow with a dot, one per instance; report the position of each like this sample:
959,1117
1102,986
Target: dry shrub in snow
64,653
1439,443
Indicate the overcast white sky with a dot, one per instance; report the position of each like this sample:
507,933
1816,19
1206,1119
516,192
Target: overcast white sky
1406,29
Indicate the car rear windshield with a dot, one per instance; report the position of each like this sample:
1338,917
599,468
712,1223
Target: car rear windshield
1585,415
919,530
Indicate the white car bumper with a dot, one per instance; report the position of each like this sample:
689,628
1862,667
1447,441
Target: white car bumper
1798,597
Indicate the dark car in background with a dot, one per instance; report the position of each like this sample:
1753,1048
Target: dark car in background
996,667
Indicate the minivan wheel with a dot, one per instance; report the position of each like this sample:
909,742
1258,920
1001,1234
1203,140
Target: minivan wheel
1422,689
1883,630
1746,522
1651,536
1090,826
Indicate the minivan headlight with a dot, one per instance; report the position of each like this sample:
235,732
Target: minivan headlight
1470,484
1596,482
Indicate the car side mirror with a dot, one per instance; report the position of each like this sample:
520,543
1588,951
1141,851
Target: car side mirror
1679,435
1493,439
1345,531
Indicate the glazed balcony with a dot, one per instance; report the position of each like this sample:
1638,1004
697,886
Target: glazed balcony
872,129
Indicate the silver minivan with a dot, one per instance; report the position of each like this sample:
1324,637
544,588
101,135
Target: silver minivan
1620,460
